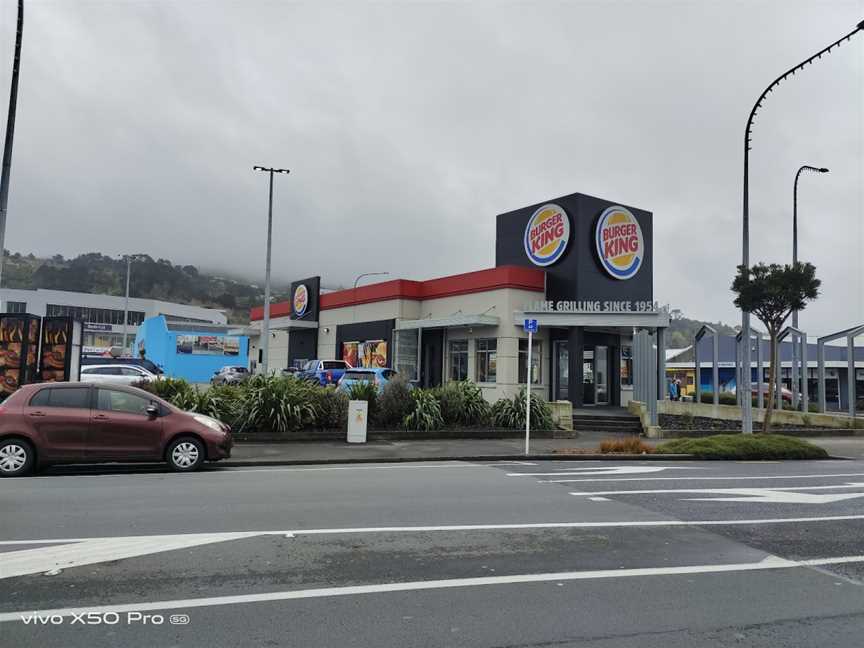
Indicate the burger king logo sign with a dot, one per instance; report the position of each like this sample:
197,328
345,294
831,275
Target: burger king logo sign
620,246
547,235
301,300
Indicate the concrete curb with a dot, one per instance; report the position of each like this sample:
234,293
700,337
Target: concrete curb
521,457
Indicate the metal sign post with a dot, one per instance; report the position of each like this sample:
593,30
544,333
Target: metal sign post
531,328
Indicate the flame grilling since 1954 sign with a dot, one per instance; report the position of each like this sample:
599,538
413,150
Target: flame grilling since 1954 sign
547,235
620,246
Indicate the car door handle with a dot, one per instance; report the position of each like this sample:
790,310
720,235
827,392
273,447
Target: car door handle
100,417
37,413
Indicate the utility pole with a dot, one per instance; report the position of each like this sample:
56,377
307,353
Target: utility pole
10,132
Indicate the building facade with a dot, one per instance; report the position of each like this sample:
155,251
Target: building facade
578,265
102,315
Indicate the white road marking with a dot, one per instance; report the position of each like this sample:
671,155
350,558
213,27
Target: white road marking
599,499
738,478
787,495
83,551
770,562
50,560
605,470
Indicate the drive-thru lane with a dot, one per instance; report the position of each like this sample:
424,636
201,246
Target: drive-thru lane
438,554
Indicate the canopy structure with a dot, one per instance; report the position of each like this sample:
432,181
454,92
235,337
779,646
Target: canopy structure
850,334
799,367
715,355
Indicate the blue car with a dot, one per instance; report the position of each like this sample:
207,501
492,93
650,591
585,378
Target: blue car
380,376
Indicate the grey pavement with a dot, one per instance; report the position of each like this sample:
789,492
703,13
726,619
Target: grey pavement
335,450
501,553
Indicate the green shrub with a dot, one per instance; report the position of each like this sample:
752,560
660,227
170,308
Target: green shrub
744,446
462,403
395,402
425,413
724,398
331,408
174,390
510,413
277,404
221,402
366,391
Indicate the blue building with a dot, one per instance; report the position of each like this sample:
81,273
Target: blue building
190,350
680,364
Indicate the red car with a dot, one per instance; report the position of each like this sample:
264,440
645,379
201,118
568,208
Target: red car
54,423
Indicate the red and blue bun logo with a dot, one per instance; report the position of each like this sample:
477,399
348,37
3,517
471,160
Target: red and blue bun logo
547,235
620,246
301,300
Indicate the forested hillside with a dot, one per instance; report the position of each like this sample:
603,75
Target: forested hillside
150,278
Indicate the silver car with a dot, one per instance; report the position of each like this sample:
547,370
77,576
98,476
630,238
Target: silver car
232,375
119,374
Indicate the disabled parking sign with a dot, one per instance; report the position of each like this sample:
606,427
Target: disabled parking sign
530,325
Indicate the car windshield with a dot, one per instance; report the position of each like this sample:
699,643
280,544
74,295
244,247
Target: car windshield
360,376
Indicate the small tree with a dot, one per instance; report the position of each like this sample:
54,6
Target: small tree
771,293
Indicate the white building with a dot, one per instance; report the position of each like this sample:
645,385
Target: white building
102,314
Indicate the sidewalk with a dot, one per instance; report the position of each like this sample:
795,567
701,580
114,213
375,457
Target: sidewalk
246,454
339,451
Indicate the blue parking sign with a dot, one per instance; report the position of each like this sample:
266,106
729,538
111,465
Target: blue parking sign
530,325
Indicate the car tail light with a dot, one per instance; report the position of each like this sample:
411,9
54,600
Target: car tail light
329,376
3,410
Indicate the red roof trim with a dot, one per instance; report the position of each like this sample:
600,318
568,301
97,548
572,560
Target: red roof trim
518,277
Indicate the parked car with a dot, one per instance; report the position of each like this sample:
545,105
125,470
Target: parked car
380,376
232,375
120,374
54,423
324,372
149,365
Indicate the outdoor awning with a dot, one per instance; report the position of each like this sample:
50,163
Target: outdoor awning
459,320
282,324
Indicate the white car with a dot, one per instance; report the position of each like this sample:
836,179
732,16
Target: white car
119,374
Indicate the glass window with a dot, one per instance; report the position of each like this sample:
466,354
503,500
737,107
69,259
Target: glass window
40,399
458,352
536,354
74,397
334,364
626,365
406,353
487,359
16,307
130,371
118,401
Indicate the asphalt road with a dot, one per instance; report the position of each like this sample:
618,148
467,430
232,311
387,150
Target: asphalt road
594,554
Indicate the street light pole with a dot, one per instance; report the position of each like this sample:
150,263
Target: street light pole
746,386
805,167
354,290
10,131
265,328
126,307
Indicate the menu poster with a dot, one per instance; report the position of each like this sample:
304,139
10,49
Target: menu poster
61,349
349,353
17,351
373,354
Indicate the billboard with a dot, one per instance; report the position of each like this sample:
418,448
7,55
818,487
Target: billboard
208,345
19,341
60,359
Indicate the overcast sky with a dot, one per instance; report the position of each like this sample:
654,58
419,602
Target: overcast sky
407,127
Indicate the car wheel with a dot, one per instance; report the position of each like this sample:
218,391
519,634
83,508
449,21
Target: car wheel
185,454
16,458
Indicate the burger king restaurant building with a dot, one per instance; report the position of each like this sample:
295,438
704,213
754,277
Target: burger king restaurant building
579,265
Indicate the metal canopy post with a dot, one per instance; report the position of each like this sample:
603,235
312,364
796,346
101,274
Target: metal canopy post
805,378
820,377
715,353
798,338
850,377
661,390
850,334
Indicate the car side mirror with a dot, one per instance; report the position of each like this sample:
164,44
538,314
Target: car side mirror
152,411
